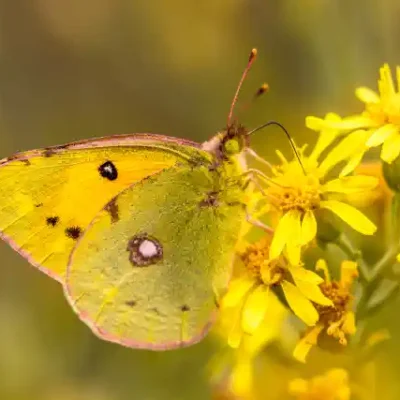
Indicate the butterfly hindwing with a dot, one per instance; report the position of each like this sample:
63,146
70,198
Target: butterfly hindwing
48,197
151,268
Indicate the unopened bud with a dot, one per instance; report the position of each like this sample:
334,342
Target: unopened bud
391,172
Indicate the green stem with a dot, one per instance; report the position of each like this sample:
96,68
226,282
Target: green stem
389,258
344,243
377,272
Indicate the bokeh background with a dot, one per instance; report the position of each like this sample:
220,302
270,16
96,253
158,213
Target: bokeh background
72,69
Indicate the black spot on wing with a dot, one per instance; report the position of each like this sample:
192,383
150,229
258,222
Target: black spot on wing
73,232
108,170
113,209
131,303
185,308
52,221
211,200
39,205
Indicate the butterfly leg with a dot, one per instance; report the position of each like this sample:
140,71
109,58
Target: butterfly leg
252,153
258,224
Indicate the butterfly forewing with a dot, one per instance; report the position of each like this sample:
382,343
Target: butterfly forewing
48,197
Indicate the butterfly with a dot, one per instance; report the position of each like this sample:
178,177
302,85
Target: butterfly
139,229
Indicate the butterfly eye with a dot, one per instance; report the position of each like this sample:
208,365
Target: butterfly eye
144,250
231,146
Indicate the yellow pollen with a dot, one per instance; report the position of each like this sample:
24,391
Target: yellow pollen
293,190
334,317
296,198
257,263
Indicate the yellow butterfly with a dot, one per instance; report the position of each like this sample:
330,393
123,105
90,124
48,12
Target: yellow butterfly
139,229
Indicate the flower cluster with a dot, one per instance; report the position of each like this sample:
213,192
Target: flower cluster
307,283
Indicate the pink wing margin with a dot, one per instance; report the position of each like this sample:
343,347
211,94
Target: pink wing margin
101,142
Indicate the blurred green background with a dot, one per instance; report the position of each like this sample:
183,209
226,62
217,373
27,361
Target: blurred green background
73,69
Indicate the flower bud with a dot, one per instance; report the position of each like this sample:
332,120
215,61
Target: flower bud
328,231
391,172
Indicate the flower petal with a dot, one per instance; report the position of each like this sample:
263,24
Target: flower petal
306,343
238,288
236,333
293,253
313,293
345,124
255,309
298,387
293,244
391,148
322,265
315,123
349,323
301,273
386,85
352,144
241,378
326,136
398,78
352,163
300,305
308,283
284,233
308,227
349,214
381,134
348,272
351,184
367,95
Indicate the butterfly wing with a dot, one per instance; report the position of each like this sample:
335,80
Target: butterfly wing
48,197
150,273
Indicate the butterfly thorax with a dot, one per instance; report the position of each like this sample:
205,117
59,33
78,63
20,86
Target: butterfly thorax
229,163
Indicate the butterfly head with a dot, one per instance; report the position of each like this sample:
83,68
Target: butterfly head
228,143
233,140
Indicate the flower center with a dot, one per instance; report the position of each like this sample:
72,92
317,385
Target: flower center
385,112
257,263
296,198
292,189
334,318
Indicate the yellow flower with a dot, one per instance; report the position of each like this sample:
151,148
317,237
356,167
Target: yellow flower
232,374
338,320
297,194
333,385
250,293
378,124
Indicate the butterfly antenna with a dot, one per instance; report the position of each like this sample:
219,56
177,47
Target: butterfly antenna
260,91
252,58
296,153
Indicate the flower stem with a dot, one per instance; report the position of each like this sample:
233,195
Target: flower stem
344,243
377,273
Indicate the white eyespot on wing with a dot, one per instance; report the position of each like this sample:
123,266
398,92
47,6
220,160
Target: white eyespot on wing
148,249
144,250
